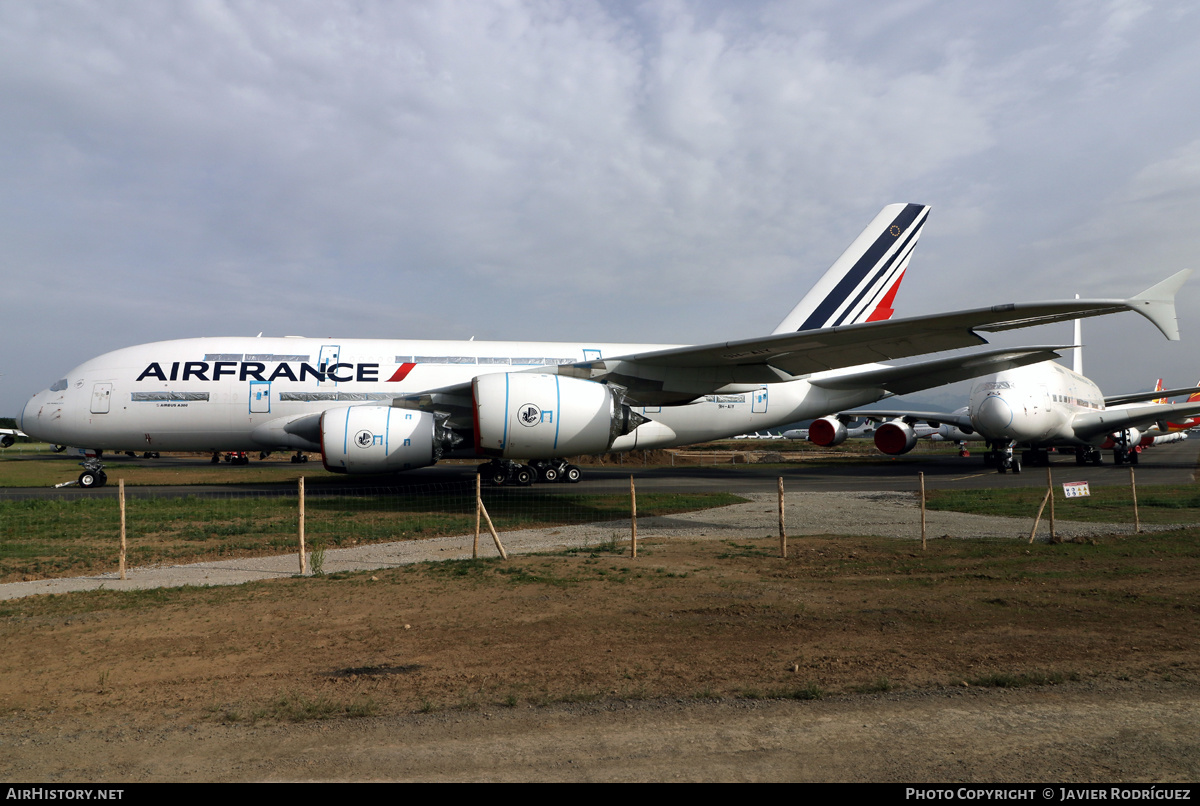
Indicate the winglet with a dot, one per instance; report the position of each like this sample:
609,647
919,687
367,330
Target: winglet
1157,303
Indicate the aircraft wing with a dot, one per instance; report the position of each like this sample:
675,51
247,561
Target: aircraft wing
682,374
1140,397
8,436
1092,424
908,378
960,420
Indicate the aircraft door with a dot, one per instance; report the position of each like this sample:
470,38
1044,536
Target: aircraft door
758,404
260,397
101,398
329,356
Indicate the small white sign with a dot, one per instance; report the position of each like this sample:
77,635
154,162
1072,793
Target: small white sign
1076,489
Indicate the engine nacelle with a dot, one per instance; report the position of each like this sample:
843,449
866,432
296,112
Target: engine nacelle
827,432
381,439
522,415
895,438
1127,439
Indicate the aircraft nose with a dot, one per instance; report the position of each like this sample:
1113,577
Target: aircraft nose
994,416
32,421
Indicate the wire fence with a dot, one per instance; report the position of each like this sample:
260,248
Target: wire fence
76,534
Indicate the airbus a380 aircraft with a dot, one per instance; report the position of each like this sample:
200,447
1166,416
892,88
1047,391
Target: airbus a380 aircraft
1043,406
375,406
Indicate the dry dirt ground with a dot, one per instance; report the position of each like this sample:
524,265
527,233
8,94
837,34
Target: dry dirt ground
855,659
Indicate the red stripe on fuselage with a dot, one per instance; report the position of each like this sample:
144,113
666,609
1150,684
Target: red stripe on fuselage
401,373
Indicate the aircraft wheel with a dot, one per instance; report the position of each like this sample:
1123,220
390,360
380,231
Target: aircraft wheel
524,476
89,479
496,477
1016,466
573,474
550,474
1133,457
216,459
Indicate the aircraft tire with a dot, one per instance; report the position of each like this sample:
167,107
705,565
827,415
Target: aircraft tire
550,475
88,479
572,474
1016,466
524,475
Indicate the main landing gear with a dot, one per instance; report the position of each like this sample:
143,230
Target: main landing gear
500,472
1088,455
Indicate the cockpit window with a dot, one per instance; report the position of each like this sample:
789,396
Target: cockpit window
59,385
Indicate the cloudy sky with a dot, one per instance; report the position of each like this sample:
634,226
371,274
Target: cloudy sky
662,171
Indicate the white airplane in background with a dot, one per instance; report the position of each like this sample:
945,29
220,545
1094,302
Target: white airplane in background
378,406
1042,406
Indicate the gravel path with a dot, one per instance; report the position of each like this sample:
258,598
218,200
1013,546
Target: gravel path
885,514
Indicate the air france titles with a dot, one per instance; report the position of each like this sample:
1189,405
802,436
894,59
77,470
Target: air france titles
257,371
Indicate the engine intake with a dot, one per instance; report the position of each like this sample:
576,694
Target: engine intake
827,432
895,438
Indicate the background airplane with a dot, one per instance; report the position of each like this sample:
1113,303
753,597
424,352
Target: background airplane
1048,405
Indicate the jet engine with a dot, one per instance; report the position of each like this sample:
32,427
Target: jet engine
895,438
827,432
534,416
382,439
1128,438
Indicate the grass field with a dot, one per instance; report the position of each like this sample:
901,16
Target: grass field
1156,503
42,538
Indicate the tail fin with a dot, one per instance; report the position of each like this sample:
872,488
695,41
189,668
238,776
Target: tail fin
861,285
1158,387
1194,398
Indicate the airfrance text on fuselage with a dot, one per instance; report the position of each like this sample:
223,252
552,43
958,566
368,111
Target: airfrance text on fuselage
257,371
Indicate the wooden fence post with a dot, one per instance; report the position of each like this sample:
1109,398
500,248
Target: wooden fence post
633,515
121,498
922,474
303,556
782,530
478,509
1137,521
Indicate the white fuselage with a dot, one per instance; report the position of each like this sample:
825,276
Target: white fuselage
1033,405
211,394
